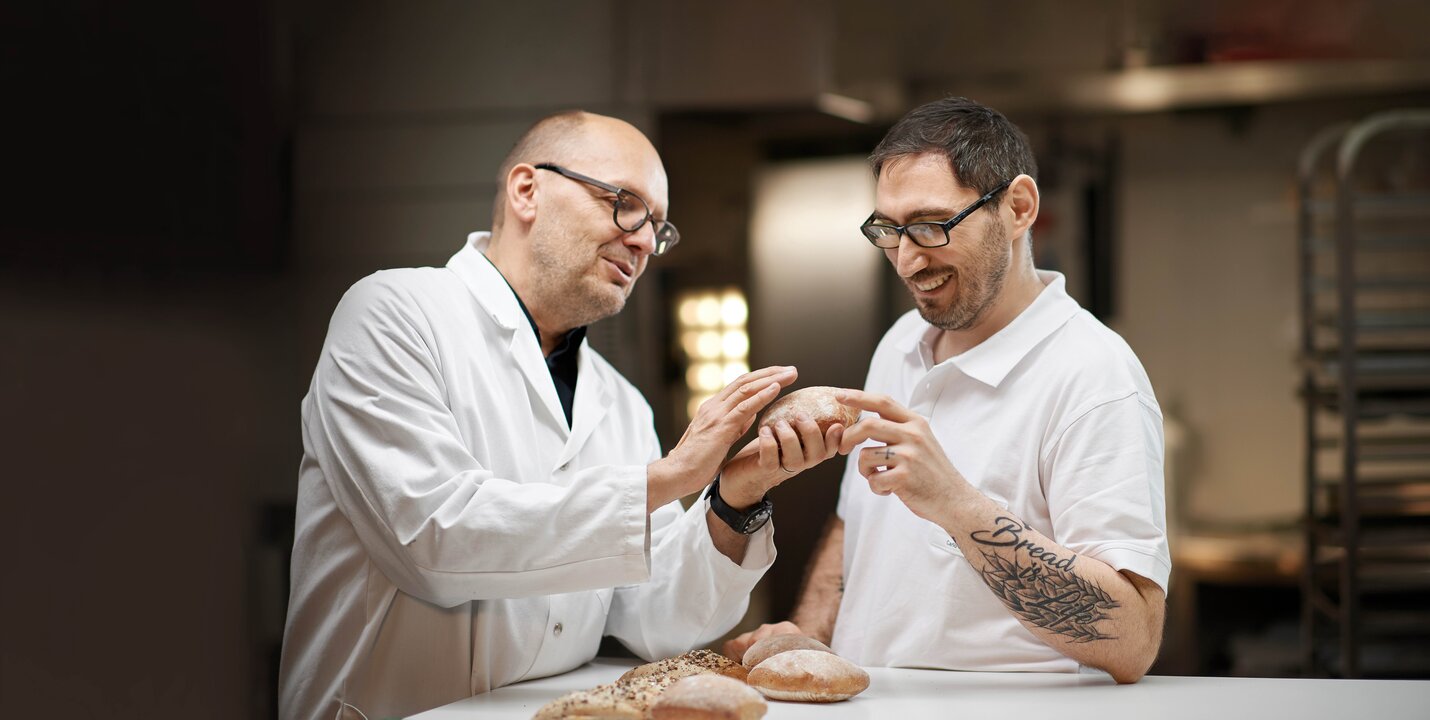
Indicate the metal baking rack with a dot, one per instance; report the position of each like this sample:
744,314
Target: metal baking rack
1364,267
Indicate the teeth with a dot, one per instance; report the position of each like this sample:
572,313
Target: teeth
932,284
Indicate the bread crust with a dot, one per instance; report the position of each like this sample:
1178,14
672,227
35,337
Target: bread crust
808,676
709,697
697,662
817,402
628,700
636,692
776,644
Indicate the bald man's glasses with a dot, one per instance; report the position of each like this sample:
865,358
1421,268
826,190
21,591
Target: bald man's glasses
629,211
924,234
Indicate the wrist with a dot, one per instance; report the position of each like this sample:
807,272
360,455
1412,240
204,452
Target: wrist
666,481
744,521
738,495
962,500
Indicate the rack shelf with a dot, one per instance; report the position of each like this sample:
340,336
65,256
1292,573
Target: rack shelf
1364,262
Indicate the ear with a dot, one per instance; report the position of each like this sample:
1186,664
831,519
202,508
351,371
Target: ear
1022,203
521,194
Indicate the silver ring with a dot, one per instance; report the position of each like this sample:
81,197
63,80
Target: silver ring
792,472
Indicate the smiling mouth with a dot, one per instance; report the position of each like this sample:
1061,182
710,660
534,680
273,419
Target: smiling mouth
626,270
930,284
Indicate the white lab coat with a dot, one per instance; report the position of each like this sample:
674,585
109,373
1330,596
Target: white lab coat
453,535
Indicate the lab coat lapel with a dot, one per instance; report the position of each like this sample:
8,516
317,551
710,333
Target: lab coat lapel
593,401
527,354
497,298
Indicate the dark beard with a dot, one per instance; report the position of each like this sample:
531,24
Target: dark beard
976,294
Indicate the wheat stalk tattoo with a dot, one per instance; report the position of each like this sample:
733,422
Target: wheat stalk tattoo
1050,598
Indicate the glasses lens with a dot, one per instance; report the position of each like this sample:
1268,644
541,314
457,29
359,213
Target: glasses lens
666,236
884,236
927,234
631,212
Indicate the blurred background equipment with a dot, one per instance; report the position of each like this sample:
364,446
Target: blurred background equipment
1365,299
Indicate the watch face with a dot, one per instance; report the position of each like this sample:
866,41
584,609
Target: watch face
757,518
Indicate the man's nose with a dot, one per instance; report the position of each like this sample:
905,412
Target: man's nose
642,241
909,257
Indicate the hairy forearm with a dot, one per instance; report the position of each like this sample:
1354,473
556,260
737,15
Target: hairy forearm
1079,606
669,479
823,585
730,543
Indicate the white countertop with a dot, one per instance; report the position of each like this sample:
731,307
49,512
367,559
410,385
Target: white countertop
909,694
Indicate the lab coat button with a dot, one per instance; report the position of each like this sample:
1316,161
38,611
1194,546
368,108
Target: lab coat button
556,630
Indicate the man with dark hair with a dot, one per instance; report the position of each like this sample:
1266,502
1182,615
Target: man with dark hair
1014,467
482,497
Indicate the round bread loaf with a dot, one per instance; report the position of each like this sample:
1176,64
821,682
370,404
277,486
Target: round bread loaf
817,402
776,644
709,697
808,676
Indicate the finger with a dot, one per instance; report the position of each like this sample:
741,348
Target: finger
810,439
769,449
871,428
743,413
882,404
883,483
876,459
736,647
725,402
832,438
791,454
752,447
783,374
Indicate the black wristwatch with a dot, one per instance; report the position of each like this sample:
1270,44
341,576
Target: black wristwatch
745,523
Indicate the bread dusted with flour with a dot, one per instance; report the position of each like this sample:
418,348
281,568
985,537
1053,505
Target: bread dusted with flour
808,676
776,644
698,662
709,697
817,402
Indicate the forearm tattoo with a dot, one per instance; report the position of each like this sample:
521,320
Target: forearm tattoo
1043,591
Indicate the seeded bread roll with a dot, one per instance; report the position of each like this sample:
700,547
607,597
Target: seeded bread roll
808,676
629,700
776,644
698,662
817,402
709,697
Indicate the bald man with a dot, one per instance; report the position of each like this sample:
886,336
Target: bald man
482,497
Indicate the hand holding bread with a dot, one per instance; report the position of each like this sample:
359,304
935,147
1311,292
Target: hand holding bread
797,432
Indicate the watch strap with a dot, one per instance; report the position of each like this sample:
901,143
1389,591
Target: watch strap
745,523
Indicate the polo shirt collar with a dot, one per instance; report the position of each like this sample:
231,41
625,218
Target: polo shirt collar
990,361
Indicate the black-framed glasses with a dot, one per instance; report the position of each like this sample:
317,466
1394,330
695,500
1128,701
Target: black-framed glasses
924,234
629,211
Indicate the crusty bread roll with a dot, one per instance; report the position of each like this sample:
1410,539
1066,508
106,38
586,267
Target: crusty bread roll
817,402
698,662
630,700
776,644
709,697
808,676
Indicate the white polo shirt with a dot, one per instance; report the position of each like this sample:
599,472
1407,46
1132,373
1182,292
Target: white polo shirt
1052,417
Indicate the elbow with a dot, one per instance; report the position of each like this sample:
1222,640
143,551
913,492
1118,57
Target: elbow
1134,665
1125,676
